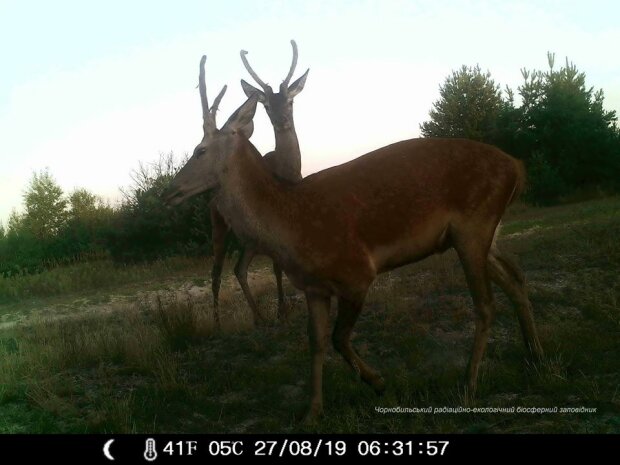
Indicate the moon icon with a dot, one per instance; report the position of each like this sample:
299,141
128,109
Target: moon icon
106,450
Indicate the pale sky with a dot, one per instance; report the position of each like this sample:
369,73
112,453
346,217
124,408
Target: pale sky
89,89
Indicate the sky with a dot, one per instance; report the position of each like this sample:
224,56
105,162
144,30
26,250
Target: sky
90,89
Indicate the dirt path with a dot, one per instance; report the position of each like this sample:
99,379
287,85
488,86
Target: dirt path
232,300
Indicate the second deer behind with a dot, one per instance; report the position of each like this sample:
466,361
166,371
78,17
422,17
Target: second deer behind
284,162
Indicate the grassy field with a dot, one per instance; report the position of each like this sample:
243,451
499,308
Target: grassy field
94,348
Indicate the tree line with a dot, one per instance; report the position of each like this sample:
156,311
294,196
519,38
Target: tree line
560,129
57,228
568,141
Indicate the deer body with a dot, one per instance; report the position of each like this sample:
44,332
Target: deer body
337,229
334,231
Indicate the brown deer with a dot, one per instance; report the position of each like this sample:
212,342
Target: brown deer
284,162
334,231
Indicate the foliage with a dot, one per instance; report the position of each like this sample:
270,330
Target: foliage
46,207
564,122
32,237
469,104
89,224
146,229
561,130
56,228
546,184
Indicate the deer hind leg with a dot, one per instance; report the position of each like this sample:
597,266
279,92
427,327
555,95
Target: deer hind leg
282,307
507,275
218,235
348,312
241,271
473,256
318,333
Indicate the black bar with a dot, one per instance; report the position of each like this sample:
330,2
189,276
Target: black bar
276,448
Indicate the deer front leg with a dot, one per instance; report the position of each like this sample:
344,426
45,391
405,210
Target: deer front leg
241,271
218,236
282,307
348,311
318,333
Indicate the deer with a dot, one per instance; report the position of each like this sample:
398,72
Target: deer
334,231
284,162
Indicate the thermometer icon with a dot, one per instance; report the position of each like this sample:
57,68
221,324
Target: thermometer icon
150,453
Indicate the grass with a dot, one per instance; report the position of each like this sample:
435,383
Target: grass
76,357
91,276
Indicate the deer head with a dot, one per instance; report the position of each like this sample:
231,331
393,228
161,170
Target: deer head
279,106
202,170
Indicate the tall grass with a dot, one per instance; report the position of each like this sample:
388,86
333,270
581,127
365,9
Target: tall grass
92,275
93,364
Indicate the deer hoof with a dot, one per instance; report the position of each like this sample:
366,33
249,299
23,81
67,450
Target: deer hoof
378,384
312,416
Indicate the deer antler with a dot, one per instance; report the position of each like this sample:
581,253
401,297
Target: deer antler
293,65
216,102
202,87
258,80
208,115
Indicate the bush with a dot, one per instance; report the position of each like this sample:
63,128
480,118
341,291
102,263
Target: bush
146,229
545,185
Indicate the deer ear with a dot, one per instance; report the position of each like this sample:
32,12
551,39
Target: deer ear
251,90
241,120
247,130
297,86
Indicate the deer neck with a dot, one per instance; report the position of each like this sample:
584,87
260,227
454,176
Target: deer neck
252,202
287,156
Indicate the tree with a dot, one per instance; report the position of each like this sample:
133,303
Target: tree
561,130
45,206
83,203
469,106
508,132
16,224
22,250
88,225
565,125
